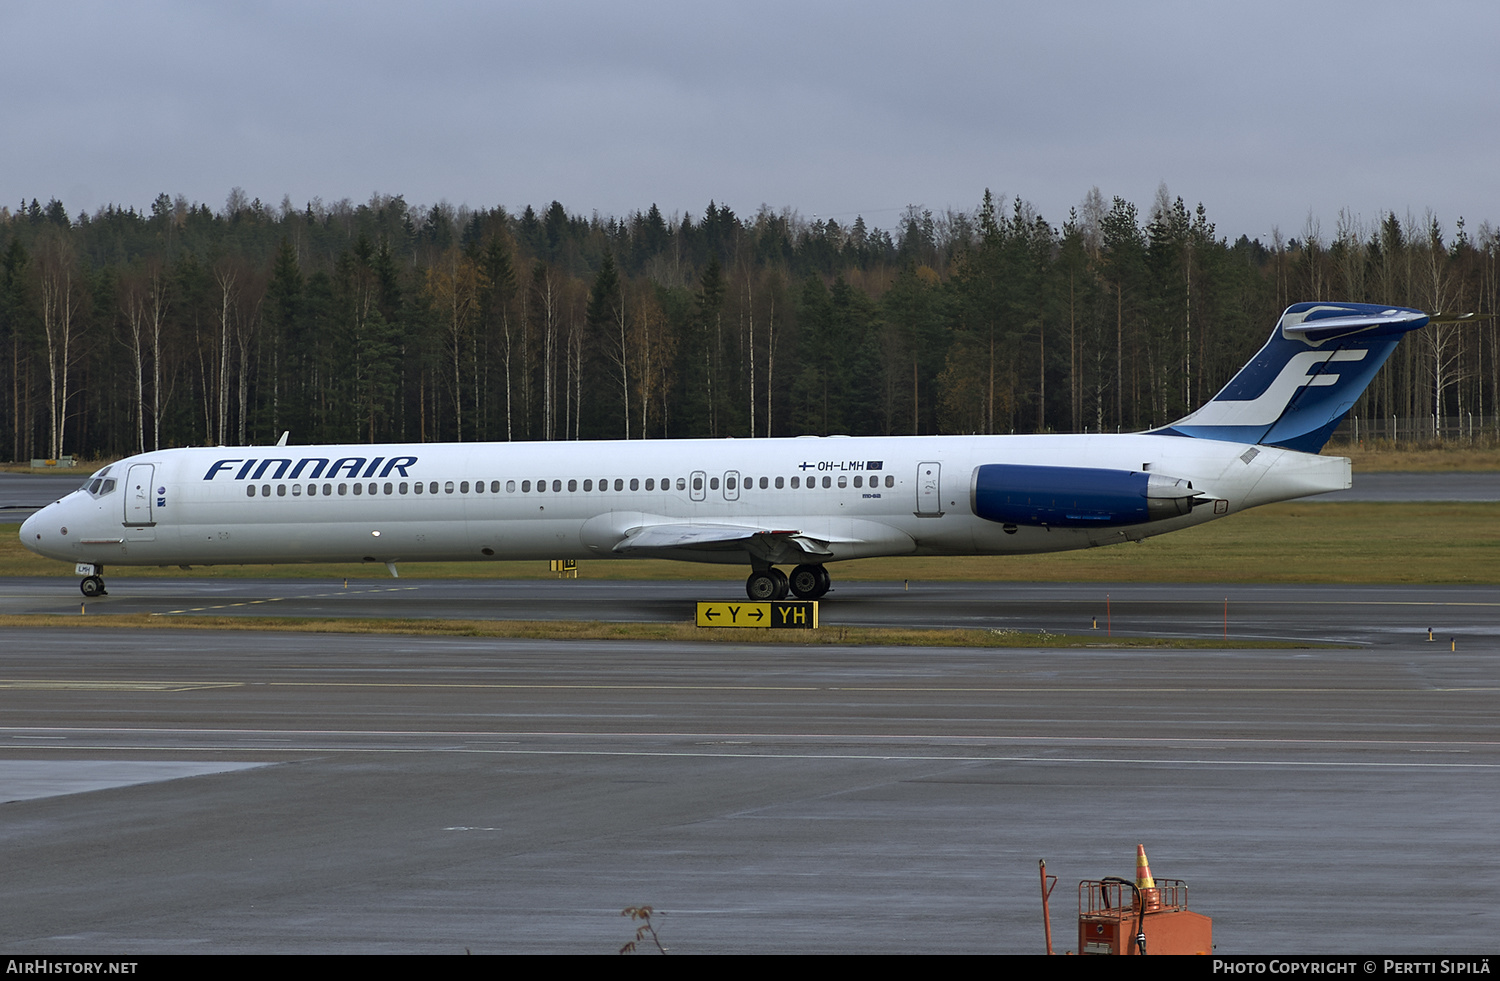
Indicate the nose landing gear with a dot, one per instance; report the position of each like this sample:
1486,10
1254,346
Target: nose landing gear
93,583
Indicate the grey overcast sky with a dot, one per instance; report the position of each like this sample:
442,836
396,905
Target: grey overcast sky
1266,112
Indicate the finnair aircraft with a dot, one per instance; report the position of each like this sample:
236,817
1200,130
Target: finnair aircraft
804,502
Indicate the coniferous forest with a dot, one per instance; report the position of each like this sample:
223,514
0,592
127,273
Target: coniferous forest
126,331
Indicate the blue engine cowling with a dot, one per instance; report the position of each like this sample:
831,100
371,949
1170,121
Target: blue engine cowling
1077,497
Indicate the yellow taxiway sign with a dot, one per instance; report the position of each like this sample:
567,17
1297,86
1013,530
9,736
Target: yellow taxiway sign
776,614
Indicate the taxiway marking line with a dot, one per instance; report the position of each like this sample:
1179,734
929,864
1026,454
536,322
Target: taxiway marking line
854,689
282,599
701,754
742,738
43,684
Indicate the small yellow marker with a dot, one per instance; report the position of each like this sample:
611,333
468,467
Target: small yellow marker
82,610
1429,635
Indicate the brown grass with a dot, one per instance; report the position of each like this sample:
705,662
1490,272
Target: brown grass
1375,456
657,632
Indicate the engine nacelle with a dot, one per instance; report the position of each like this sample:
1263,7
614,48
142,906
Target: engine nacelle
1077,497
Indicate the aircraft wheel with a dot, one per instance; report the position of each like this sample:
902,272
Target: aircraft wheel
92,586
810,581
805,581
768,585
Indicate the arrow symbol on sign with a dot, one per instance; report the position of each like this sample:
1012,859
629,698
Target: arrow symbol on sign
756,613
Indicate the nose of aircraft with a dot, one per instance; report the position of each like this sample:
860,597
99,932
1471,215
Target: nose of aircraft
29,531
34,534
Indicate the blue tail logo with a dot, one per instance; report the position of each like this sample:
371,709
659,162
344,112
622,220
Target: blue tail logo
1301,385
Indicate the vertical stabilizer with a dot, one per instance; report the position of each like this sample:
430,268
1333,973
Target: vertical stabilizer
1306,378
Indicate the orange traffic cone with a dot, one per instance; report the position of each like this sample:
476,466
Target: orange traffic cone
1150,895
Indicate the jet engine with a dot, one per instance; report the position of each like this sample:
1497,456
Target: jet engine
1078,497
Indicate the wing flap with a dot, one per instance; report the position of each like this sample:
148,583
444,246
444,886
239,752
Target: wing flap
717,537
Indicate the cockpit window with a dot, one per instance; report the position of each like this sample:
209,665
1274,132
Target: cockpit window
99,486
94,484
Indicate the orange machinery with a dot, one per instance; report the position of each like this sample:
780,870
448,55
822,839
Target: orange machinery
1149,915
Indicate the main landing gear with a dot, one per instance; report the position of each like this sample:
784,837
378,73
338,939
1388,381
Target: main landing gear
806,582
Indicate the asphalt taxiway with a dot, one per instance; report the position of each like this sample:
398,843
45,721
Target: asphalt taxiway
191,791
1368,615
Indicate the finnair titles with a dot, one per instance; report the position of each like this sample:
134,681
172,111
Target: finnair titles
801,503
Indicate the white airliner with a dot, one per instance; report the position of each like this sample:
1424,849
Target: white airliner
803,502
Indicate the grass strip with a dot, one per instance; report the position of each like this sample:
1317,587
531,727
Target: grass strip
664,632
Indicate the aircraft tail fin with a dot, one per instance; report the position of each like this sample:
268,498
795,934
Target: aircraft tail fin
1306,378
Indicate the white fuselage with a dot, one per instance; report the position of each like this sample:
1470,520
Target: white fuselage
862,496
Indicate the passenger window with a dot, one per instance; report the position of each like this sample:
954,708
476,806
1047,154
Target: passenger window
827,482
619,484
510,487
780,482
729,483
588,485
250,491
389,489
343,489
463,488
448,487
651,483
417,487
525,487
572,486
359,489
374,489
843,482
281,490
328,490
312,490
265,490
635,483
764,483
859,481
557,487
682,483
402,487
479,487
713,483
890,481
296,490
796,482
